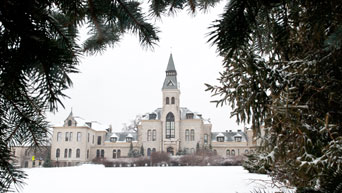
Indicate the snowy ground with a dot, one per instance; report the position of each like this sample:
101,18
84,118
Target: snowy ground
96,179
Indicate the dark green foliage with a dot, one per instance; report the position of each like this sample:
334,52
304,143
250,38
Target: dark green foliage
38,51
282,69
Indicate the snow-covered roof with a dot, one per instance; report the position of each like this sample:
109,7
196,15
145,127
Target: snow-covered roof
114,135
229,136
121,136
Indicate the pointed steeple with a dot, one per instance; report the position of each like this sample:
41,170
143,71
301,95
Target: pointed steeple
170,81
170,65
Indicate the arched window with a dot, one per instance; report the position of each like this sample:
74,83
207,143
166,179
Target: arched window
69,123
114,153
167,100
78,153
246,151
58,153
170,150
59,136
170,126
70,152
148,151
119,153
233,152
192,135
153,150
173,100
149,135
228,152
154,135
70,139
187,135
102,153
66,136
65,153
79,136
205,138
97,153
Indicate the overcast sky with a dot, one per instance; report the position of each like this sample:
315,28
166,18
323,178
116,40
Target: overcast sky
126,80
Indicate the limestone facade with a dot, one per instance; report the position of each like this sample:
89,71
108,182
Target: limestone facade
171,128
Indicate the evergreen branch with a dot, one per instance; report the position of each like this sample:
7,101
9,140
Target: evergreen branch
95,20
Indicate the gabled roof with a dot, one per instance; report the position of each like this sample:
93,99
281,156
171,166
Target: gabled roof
229,136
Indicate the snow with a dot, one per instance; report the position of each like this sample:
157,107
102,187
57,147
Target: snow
97,178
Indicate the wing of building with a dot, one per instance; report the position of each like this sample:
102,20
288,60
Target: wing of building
171,128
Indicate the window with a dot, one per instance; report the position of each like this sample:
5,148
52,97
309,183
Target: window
154,135
228,152
170,126
70,152
102,153
205,138
113,139
65,153
119,153
246,152
220,139
69,123
99,140
148,151
58,152
187,135
153,150
153,116
93,139
78,153
128,139
70,138
59,136
78,136
27,152
114,153
97,153
189,116
238,139
167,100
192,135
88,137
87,153
33,164
66,136
233,152
173,100
149,135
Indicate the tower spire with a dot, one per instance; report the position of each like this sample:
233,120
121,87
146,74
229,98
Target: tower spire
170,81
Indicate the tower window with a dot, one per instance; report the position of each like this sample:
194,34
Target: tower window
189,116
167,100
173,100
170,126
69,123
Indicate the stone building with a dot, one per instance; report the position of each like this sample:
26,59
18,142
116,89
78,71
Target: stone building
29,157
171,129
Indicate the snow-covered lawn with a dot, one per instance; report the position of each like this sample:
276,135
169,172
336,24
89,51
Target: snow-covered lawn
98,179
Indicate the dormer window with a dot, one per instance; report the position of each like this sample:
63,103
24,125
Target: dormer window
238,139
152,116
128,139
113,139
69,123
220,139
189,116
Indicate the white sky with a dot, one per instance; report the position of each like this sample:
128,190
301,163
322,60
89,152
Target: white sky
115,86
